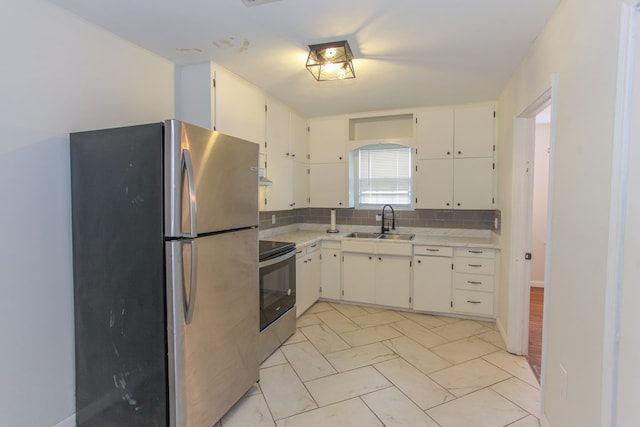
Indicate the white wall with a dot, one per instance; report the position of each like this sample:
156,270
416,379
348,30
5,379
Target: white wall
579,43
58,74
540,195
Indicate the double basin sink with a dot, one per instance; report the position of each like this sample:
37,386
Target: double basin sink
380,236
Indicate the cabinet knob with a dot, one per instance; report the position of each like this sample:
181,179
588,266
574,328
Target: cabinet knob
448,204
340,203
448,153
459,152
340,158
369,257
293,155
458,204
287,154
379,258
335,256
419,261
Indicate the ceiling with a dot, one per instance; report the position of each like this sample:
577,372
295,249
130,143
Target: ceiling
409,53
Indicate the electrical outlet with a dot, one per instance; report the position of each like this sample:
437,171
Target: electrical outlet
564,381
378,217
273,219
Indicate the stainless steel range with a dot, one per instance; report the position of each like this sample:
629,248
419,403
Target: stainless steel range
277,295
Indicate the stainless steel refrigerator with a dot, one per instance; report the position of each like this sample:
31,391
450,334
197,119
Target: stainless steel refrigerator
165,270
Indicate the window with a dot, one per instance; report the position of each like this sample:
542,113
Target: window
384,175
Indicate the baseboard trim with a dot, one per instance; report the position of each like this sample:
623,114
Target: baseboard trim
537,284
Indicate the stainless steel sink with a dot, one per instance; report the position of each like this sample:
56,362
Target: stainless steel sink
386,236
396,236
363,235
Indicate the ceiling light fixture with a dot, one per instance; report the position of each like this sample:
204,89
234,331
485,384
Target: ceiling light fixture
331,61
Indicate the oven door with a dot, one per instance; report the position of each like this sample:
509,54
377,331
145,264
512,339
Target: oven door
277,287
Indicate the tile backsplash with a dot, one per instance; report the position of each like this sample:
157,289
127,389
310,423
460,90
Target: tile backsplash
431,218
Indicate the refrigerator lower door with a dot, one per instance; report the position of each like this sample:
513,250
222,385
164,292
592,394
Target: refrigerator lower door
212,290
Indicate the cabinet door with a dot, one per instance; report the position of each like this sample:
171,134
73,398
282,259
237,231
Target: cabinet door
474,130
300,185
358,278
238,107
327,140
330,274
299,144
314,277
278,158
473,183
432,278
433,184
393,281
434,133
306,295
328,185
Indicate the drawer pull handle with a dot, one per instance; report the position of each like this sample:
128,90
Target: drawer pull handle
474,302
433,250
475,265
474,283
314,245
299,252
475,252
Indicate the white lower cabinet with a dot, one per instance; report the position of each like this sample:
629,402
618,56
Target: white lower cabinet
377,273
358,278
474,283
393,281
330,271
432,279
307,277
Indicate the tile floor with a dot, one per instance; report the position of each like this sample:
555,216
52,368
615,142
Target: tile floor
354,366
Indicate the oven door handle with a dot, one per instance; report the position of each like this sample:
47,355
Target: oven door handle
268,262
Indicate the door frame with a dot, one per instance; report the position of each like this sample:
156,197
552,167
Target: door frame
626,78
520,270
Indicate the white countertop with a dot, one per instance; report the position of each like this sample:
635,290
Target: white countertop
305,234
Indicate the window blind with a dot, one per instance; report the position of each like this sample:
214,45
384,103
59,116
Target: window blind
384,176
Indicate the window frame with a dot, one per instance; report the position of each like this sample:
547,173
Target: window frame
356,177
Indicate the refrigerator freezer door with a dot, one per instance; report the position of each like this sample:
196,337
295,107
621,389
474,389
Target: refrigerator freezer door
211,181
212,359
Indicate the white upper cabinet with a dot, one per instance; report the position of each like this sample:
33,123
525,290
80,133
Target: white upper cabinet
327,140
474,130
433,184
278,158
239,107
210,96
463,131
328,185
473,183
299,144
434,133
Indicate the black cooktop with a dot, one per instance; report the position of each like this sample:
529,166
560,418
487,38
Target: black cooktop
270,249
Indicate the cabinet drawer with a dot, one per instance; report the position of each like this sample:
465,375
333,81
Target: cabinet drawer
473,302
331,244
475,265
433,250
476,252
313,247
474,282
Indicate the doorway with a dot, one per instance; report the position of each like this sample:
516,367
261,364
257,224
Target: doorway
520,266
539,208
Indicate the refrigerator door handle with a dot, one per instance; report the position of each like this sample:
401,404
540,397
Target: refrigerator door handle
189,300
187,166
